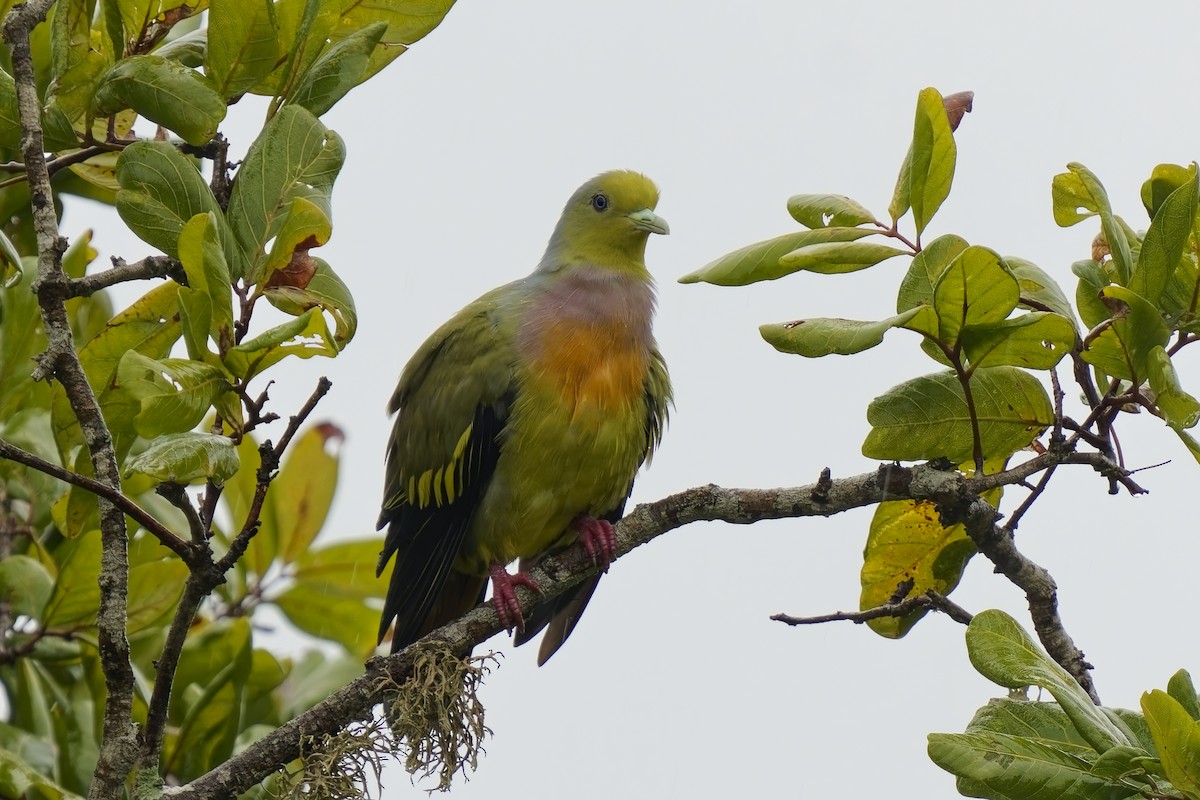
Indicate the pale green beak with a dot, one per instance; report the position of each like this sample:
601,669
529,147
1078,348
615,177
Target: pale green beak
647,220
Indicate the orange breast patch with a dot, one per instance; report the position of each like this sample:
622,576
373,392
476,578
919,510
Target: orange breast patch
590,365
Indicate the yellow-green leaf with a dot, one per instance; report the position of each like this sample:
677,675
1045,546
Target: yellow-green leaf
1177,739
828,210
822,336
186,457
163,91
760,261
304,489
928,417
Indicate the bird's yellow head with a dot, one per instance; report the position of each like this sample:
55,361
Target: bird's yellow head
606,223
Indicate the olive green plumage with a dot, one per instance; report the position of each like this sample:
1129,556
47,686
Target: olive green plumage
528,411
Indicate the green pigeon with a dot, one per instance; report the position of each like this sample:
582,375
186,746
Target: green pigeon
521,423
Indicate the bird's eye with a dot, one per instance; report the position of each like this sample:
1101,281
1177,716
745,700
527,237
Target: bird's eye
599,201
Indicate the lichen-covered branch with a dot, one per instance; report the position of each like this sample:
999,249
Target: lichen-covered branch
118,747
955,495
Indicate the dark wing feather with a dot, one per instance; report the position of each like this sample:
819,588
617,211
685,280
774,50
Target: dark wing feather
426,540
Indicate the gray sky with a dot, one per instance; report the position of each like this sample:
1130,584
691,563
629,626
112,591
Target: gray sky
676,684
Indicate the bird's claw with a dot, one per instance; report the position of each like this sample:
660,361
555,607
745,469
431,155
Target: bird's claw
504,596
598,539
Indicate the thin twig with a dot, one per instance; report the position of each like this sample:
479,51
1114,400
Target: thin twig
270,456
929,601
122,501
177,496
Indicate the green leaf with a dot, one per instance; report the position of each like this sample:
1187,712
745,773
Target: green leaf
1178,408
1079,188
163,91
1071,201
907,546
184,458
19,779
37,752
343,569
302,226
303,28
189,49
1189,442
931,170
325,290
927,417
338,70
305,336
907,542
916,288
174,393
195,316
813,338
307,479
1046,722
1008,767
834,258
154,591
1123,349
828,210
1037,340
25,585
901,196
294,156
351,623
1163,244
207,698
1163,180
1177,738
1003,653
10,119
150,326
408,21
77,65
76,594
242,48
1092,280
314,677
760,261
207,272
976,289
1037,285
1183,690
160,191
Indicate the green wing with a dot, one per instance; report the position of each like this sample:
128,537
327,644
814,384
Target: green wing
451,404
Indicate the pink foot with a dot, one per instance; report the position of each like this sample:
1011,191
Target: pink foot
504,595
598,539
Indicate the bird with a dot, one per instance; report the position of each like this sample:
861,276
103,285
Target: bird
521,423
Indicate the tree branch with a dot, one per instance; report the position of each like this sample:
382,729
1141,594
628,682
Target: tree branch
118,748
148,267
929,601
194,592
122,501
270,457
954,494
